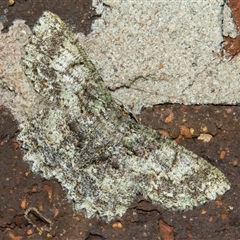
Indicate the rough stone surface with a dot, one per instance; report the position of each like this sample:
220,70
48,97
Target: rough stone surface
152,52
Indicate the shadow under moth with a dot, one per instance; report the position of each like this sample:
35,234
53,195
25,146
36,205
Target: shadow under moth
92,146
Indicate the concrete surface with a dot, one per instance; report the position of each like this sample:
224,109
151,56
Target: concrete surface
151,52
147,52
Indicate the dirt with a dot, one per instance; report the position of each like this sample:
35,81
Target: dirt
36,208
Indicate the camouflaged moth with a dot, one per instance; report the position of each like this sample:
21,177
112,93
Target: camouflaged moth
92,146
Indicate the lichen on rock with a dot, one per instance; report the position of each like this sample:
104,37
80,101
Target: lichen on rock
92,146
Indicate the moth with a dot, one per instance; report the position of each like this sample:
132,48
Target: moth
92,146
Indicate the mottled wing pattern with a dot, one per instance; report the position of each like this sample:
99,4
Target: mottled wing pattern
91,145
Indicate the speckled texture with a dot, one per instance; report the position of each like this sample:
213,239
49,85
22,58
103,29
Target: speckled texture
17,92
152,52
90,144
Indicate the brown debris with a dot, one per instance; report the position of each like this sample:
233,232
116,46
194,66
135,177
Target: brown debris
186,132
38,220
205,137
222,154
117,225
224,216
234,162
203,212
166,231
164,133
218,202
231,46
49,191
210,219
13,237
11,2
24,204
